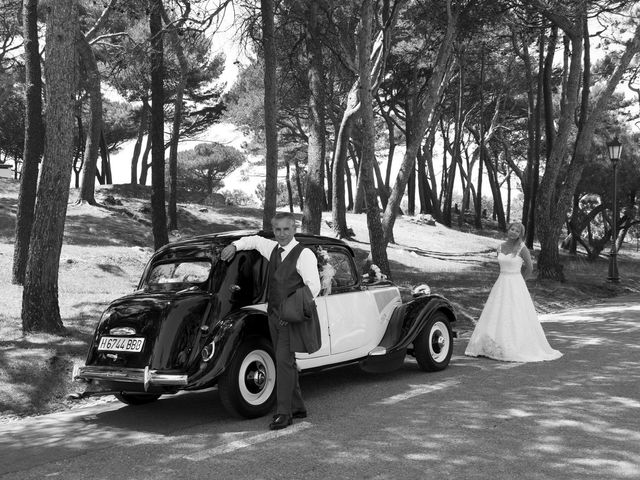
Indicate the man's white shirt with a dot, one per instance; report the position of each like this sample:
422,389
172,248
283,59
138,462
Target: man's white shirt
306,266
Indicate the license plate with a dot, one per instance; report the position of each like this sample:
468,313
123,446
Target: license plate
121,344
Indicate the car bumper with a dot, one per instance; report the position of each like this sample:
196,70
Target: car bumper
143,376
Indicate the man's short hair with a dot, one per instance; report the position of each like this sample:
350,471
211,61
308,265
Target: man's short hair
282,215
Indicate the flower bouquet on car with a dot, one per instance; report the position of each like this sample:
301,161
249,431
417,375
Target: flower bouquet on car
326,270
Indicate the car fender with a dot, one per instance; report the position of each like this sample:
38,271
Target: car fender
410,318
227,336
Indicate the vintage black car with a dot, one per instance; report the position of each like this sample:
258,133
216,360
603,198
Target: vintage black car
196,321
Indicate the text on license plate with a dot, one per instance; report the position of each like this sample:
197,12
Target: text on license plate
120,344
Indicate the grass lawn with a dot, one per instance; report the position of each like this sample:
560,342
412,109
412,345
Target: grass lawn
105,250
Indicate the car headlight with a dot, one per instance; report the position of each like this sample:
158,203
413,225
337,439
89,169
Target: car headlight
421,290
208,351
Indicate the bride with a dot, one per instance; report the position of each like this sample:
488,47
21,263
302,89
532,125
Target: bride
508,328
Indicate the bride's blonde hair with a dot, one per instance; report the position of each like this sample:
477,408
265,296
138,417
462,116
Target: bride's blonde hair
520,227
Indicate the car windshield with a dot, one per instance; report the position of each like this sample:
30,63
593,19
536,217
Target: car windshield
178,273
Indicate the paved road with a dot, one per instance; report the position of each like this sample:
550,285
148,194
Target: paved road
574,418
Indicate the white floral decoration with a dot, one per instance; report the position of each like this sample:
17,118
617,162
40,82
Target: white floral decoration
327,272
375,274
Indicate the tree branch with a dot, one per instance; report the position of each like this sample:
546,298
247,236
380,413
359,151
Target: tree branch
89,36
108,35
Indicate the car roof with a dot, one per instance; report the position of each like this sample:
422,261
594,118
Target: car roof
224,238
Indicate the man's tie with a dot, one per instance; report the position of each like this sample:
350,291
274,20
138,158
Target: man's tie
279,256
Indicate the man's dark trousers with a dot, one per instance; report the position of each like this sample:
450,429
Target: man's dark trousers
283,280
288,393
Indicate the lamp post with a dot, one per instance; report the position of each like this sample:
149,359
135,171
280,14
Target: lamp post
615,148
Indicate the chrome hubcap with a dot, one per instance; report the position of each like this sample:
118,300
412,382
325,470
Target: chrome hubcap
257,377
440,342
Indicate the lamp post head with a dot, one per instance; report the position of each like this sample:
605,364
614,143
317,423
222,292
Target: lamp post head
615,149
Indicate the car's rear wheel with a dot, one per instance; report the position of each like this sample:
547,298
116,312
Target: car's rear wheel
137,398
247,388
434,344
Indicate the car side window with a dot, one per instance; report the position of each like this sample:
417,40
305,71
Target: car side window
180,272
337,272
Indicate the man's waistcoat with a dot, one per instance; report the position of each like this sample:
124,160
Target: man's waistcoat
284,279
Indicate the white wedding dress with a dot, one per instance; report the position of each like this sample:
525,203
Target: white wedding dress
508,328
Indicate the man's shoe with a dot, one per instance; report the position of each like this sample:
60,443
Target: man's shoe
280,421
299,414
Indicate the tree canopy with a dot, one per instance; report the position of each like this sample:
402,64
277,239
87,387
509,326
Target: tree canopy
203,168
501,105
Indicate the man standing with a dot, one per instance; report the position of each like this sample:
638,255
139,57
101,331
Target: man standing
291,266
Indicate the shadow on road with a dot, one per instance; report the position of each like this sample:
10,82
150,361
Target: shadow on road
576,417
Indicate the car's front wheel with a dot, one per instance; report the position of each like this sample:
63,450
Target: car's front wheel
434,344
247,388
137,398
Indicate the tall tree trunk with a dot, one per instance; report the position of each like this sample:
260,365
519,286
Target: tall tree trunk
145,164
494,184
465,180
91,150
560,180
521,45
385,187
328,175
95,142
445,149
508,199
144,125
299,184
532,175
33,141
484,137
455,156
289,189
78,152
478,215
571,243
177,119
378,56
347,172
411,193
548,86
106,162
468,190
535,171
391,128
359,202
156,132
270,113
314,191
423,119
40,309
431,188
99,175
338,211
382,191
423,184
376,237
